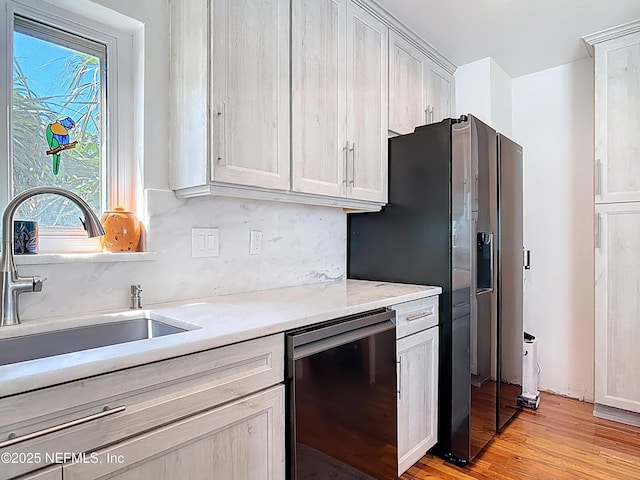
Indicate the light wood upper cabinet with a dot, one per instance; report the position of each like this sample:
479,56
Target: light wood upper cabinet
339,100
250,92
319,113
617,112
244,440
407,85
420,91
289,99
439,93
617,306
367,106
230,93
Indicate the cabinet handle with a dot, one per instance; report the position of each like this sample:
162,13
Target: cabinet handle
345,149
598,230
399,374
29,436
353,164
418,316
476,193
430,113
221,117
426,115
599,174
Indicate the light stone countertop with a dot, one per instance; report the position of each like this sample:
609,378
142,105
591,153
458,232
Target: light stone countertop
212,322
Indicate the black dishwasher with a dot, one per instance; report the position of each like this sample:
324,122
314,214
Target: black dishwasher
342,398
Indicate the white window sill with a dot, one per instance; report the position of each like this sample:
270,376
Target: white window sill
93,257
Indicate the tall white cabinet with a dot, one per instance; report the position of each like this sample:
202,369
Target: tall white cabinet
617,74
617,209
618,306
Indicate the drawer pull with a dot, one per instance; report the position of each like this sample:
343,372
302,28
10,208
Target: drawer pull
29,436
418,316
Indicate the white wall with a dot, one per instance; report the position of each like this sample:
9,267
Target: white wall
553,120
483,89
501,102
473,89
301,244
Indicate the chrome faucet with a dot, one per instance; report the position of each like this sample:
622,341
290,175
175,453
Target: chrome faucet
11,285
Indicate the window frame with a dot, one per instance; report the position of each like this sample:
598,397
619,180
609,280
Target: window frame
121,152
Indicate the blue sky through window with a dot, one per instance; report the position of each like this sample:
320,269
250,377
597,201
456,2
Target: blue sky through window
58,82
44,66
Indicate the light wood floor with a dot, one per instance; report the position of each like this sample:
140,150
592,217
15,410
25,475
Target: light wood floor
561,440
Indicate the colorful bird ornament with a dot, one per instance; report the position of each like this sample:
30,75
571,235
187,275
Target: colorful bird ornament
58,140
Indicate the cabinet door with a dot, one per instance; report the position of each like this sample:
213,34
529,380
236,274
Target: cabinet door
617,306
243,440
367,105
318,32
250,93
617,112
53,473
407,85
417,396
439,93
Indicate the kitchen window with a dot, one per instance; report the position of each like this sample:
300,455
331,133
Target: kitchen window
70,118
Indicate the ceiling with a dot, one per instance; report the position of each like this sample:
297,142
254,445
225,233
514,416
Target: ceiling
522,36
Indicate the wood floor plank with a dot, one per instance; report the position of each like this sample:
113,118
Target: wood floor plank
562,440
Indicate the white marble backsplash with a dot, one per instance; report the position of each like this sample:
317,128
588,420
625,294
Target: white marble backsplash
300,245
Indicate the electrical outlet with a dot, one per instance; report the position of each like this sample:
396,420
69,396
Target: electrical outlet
205,242
255,242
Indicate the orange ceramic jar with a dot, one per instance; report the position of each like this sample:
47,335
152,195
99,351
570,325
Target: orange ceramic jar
122,231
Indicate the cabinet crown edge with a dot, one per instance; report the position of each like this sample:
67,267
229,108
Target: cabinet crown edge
400,28
609,34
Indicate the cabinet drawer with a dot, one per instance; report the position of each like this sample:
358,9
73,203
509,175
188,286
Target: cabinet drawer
412,317
140,398
244,439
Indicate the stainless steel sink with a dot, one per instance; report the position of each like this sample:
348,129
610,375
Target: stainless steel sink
42,345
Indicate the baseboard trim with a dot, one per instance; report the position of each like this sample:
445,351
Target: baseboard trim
616,415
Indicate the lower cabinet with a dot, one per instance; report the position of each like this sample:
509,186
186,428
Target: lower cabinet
212,414
53,473
243,440
417,357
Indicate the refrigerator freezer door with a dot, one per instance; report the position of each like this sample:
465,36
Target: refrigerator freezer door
463,283
510,278
483,300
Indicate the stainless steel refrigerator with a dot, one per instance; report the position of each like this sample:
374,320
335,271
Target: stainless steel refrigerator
454,219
